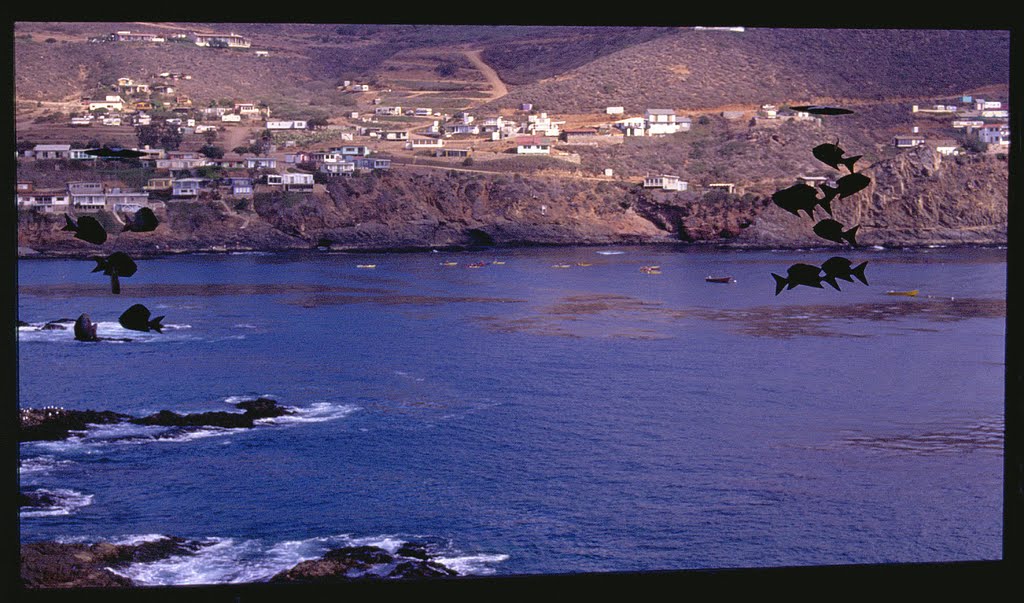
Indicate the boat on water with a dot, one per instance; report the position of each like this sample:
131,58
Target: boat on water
366,265
584,264
562,266
476,265
720,279
449,263
911,293
496,263
650,269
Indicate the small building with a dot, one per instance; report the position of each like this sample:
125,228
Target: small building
959,124
163,89
387,110
908,141
352,114
665,182
230,40
453,152
278,124
946,147
297,181
526,106
769,111
360,88
579,136
812,180
615,110
162,183
533,145
995,135
111,103
423,112
50,151
112,120
261,163
463,129
373,163
262,53
186,187
118,199
981,104
1001,113
247,109
129,36
231,118
48,201
425,143
398,135
82,121
340,168
353,150
726,186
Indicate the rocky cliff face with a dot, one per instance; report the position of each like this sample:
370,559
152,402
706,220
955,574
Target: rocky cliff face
915,199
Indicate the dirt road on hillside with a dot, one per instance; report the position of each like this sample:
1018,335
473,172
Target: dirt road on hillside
498,88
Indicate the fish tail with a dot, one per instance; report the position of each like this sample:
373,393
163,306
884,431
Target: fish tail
70,225
780,283
115,283
859,272
849,161
826,204
155,324
851,235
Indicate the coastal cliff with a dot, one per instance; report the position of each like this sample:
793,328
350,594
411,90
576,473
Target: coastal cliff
916,198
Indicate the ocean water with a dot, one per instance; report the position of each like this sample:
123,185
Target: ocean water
521,418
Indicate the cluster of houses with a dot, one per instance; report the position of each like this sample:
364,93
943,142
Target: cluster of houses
81,196
230,40
655,122
986,118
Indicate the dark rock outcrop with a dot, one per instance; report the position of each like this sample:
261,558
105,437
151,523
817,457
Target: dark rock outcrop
36,499
365,563
77,565
57,423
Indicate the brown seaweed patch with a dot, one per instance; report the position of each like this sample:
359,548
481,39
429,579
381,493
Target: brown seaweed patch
316,300
599,303
986,435
817,320
191,289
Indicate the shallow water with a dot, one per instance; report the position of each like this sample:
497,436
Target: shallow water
520,418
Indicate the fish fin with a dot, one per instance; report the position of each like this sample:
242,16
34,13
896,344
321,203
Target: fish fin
155,324
849,161
832,281
115,283
830,193
101,264
851,235
817,284
780,283
70,225
859,273
826,204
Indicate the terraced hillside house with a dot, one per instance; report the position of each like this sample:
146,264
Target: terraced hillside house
341,168
297,181
44,200
160,183
946,147
186,187
908,141
661,121
453,152
118,199
230,40
995,135
297,124
260,163
398,135
353,150
372,163
87,196
249,110
614,110
241,185
425,143
387,110
666,182
112,102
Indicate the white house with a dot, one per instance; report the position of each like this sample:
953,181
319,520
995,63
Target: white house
425,143
298,124
464,129
947,147
186,187
533,145
959,124
82,121
339,168
615,110
353,150
665,182
50,151
230,40
111,103
423,112
387,110
981,104
253,163
995,113
293,181
395,135
906,142
50,201
661,121
996,134
360,88
231,118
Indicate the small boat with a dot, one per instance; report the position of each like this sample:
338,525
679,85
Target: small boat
476,265
562,266
911,293
449,263
583,264
496,263
366,265
650,269
720,279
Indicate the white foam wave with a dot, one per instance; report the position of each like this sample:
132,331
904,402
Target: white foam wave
114,330
39,465
315,413
231,561
133,539
478,565
610,252
245,397
66,502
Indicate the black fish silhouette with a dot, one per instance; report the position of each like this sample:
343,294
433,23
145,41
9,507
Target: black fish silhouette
115,153
144,220
136,318
832,155
798,274
846,186
801,197
84,329
833,231
838,267
116,265
822,110
87,229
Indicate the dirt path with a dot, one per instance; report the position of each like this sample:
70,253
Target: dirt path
498,88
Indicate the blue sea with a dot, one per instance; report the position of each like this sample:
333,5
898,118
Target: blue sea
554,411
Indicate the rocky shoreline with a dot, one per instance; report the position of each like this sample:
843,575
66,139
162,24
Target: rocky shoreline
54,423
58,565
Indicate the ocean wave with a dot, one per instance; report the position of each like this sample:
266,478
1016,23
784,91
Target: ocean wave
65,502
34,332
317,412
610,252
40,465
235,561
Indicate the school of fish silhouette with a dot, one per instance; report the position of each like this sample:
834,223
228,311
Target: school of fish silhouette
802,197
116,265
